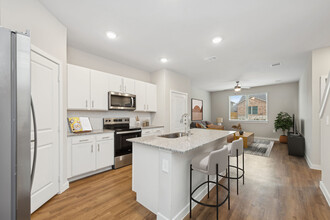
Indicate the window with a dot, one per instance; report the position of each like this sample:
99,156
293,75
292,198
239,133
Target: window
248,107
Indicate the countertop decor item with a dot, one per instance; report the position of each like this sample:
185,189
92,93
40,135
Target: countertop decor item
79,124
196,109
283,121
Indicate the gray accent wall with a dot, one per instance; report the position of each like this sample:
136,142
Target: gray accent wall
281,97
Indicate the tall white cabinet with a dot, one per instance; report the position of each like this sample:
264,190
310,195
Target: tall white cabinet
146,96
78,88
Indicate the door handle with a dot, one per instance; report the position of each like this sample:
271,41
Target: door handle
35,142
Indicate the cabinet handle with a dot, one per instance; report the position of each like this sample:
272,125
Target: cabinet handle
144,106
98,147
92,148
105,137
86,104
125,88
83,140
93,103
147,107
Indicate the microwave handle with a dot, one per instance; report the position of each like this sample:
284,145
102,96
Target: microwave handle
132,101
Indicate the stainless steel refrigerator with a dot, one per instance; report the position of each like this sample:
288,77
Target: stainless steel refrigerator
15,125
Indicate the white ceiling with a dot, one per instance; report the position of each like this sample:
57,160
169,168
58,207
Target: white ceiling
255,35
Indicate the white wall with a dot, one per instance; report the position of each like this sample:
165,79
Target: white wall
166,81
47,33
305,112
206,97
82,58
281,97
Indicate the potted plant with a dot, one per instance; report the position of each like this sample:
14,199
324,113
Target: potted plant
283,121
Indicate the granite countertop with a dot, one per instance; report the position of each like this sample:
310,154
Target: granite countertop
198,138
101,131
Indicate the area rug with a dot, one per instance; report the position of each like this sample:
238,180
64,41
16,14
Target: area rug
260,147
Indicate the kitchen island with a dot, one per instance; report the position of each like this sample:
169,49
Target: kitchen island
160,170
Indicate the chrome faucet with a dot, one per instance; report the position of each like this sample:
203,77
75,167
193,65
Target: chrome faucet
185,121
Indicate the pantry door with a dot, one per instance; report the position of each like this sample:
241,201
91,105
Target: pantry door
179,106
45,96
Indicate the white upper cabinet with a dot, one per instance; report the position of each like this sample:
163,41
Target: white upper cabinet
115,83
129,85
99,90
78,88
140,92
146,96
88,90
121,84
151,98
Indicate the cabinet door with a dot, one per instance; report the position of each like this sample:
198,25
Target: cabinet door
151,102
78,88
140,92
99,90
129,85
104,154
115,83
83,158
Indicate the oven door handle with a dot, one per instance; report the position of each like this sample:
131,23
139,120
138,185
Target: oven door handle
128,132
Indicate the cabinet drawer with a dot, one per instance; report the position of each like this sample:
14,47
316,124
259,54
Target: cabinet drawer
104,137
83,139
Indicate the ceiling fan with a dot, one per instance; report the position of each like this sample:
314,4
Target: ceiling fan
238,87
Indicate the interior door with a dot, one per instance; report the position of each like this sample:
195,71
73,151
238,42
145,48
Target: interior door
44,89
179,106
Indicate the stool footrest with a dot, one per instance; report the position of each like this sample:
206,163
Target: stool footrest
210,205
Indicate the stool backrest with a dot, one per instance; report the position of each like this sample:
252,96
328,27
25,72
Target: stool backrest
237,145
219,157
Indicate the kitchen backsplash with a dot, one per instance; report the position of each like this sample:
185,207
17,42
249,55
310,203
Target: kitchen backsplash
96,117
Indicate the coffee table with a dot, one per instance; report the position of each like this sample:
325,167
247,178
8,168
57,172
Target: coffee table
248,138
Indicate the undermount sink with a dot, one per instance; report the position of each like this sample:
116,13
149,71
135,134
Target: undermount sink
174,135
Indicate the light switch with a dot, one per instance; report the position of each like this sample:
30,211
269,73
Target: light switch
165,166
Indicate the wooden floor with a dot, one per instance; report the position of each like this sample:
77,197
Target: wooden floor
276,187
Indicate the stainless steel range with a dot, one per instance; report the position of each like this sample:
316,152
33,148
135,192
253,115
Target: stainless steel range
123,148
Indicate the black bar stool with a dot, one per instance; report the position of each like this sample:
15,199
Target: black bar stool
211,163
235,149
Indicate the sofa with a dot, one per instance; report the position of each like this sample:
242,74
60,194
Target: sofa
210,125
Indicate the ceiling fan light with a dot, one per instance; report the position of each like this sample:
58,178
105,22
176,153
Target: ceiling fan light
237,89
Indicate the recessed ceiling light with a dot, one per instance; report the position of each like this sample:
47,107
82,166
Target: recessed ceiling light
216,40
111,35
164,60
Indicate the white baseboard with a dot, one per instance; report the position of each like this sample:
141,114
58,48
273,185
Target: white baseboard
64,187
266,138
311,165
185,211
325,192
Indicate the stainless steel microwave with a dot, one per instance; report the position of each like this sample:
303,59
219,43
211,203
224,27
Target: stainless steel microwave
121,101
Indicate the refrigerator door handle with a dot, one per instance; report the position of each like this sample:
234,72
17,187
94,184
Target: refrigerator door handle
35,131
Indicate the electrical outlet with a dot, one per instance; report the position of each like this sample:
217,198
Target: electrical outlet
165,166
274,131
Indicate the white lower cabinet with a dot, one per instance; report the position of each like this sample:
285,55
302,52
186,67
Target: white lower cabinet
89,154
104,154
83,158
